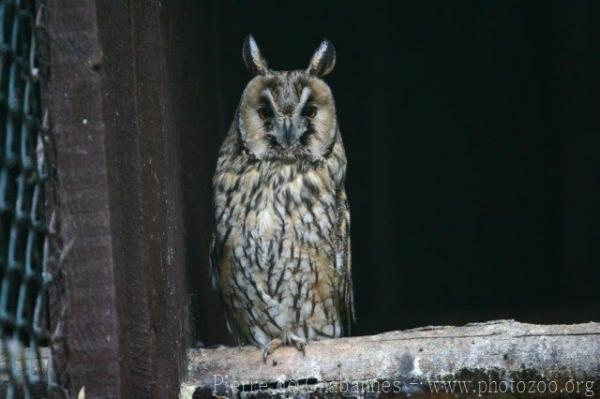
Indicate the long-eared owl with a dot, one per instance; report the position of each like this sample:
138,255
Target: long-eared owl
280,254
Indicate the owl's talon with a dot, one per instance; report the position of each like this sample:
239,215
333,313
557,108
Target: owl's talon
270,348
302,348
299,343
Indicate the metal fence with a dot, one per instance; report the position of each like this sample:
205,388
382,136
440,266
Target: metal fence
24,278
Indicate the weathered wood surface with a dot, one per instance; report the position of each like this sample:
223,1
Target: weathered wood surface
405,363
84,298
119,302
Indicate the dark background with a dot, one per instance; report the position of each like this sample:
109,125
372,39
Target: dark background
470,129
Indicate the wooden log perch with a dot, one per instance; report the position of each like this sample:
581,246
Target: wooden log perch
499,358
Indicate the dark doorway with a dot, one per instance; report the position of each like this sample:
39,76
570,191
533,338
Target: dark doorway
470,130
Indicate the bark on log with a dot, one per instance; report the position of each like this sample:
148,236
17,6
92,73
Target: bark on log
500,358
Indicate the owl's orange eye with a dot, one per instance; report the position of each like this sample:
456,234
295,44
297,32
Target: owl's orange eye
265,112
309,111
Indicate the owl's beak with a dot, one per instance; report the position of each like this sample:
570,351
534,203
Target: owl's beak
288,134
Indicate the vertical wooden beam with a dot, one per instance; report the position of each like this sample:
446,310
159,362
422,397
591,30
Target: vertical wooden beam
90,324
118,199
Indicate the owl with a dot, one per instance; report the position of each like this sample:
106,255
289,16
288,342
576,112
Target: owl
280,253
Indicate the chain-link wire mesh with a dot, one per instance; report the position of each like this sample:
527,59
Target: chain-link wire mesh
23,232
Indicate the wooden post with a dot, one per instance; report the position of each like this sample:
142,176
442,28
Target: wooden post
485,359
119,301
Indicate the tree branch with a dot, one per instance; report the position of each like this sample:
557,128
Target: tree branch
493,357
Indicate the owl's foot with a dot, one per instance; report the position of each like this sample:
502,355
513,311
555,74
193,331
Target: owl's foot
287,338
299,343
269,348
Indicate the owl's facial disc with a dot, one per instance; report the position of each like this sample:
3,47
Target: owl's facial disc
287,115
286,124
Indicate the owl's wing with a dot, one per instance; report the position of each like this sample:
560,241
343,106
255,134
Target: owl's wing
215,259
343,263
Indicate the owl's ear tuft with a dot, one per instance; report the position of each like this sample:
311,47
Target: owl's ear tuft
323,60
253,59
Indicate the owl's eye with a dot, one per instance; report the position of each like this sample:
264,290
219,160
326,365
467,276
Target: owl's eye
309,111
265,112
